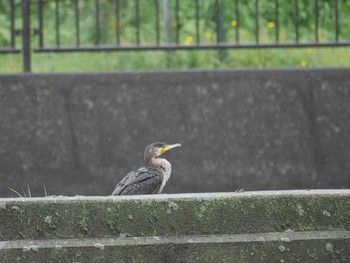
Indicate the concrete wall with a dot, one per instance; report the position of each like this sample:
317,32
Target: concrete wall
285,226
252,129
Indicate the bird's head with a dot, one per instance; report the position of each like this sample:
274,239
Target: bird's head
158,148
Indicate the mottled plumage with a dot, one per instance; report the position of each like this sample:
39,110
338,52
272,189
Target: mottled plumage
150,179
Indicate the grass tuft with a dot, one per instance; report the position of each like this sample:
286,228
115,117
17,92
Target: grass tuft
14,191
27,193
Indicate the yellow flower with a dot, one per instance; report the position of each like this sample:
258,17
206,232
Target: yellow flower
233,23
188,40
271,25
111,22
208,35
303,63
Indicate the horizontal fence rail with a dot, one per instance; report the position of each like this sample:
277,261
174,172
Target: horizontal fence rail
122,25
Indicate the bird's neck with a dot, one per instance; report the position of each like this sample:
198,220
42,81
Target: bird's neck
158,162
165,168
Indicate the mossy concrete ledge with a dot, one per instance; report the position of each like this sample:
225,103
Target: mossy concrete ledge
271,226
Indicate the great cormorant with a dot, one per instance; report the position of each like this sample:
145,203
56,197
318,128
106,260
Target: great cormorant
151,178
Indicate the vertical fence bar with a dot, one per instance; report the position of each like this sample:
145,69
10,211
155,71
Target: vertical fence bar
137,14
316,20
277,21
167,18
177,21
97,25
257,21
12,23
336,21
118,25
157,21
217,18
219,23
197,23
26,35
57,26
296,21
237,20
41,22
77,19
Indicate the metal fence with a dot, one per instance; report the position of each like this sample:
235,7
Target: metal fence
121,25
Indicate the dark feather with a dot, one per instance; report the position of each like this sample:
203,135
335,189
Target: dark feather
145,180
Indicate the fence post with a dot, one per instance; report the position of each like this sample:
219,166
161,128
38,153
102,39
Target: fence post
12,26
26,35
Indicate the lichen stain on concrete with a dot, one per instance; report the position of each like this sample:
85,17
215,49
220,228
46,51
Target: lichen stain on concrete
99,246
29,248
83,224
285,239
201,211
58,247
326,213
300,210
172,206
329,247
2,205
16,208
281,248
204,208
48,220
51,220
111,219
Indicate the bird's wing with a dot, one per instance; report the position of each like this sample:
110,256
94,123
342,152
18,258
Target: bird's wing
141,181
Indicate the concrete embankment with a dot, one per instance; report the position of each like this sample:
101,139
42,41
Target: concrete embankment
271,226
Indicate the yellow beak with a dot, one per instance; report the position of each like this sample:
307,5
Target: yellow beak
168,147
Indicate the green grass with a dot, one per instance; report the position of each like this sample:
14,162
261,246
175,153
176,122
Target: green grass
124,61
